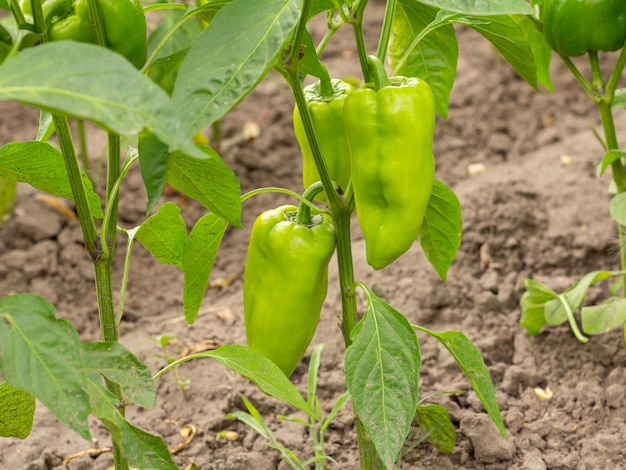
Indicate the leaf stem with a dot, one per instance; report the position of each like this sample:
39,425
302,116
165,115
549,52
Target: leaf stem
357,26
122,300
333,26
271,189
385,33
572,321
613,82
577,74
82,147
112,193
109,222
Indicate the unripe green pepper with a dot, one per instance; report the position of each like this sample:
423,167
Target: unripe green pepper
285,283
327,115
573,27
390,131
124,24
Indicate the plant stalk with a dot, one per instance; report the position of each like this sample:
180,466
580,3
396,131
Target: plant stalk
603,98
90,234
346,274
341,214
334,201
368,458
367,452
102,264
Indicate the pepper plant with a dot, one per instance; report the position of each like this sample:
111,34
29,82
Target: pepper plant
593,29
202,61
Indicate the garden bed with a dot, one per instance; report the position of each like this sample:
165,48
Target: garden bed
537,210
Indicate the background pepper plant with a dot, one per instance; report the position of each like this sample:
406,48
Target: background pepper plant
593,29
190,79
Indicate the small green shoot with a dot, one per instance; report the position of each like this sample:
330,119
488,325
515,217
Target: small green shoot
317,424
164,342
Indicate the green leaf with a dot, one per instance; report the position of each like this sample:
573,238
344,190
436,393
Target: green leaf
154,157
619,100
17,410
120,366
382,371
310,64
318,6
540,49
434,421
208,11
617,208
41,165
262,372
209,181
183,37
508,35
254,412
598,319
471,362
204,241
40,354
434,59
440,233
539,292
46,126
6,40
164,71
164,235
141,449
314,367
608,158
252,419
339,404
533,317
533,303
483,8
89,82
556,313
240,46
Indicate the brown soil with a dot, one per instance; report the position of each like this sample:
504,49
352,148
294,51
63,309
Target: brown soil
528,214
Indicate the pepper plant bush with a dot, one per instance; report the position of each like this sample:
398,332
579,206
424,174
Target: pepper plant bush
567,27
202,61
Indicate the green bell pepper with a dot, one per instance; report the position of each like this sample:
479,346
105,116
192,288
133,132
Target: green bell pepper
327,114
124,24
390,131
573,27
285,283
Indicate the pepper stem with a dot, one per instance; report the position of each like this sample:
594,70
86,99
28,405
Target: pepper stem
381,80
303,216
326,87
